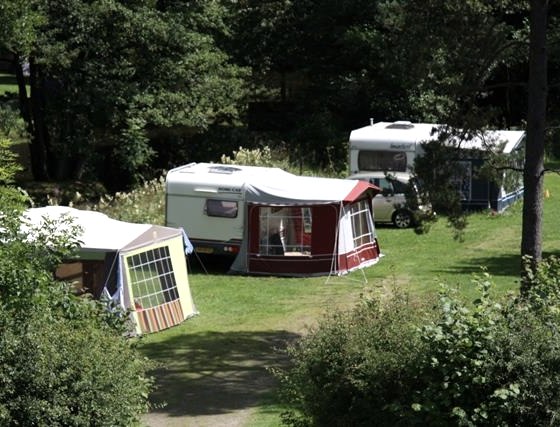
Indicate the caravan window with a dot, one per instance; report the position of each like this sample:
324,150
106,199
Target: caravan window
285,231
379,160
221,208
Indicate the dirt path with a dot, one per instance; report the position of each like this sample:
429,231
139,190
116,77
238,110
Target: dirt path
231,379
219,378
219,400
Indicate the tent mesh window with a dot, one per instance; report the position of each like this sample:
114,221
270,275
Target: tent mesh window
154,288
362,225
153,280
285,231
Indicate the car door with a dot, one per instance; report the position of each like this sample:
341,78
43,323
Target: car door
383,203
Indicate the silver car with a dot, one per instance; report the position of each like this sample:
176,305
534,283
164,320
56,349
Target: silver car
391,204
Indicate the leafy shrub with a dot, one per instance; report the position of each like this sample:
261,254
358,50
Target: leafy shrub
8,165
62,365
144,204
63,193
64,360
256,157
492,363
351,369
279,158
485,363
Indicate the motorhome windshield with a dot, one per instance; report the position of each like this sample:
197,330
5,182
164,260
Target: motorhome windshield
379,160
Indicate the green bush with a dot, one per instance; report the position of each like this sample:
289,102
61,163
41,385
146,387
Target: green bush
144,204
265,157
63,192
484,363
72,371
64,360
8,165
492,363
258,157
354,365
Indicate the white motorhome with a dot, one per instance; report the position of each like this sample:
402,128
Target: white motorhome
274,222
388,146
393,147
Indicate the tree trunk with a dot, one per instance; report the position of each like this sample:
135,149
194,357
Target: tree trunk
533,177
24,104
32,111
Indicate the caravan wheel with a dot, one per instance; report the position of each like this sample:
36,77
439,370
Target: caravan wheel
402,219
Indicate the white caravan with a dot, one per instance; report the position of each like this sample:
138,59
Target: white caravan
393,146
273,221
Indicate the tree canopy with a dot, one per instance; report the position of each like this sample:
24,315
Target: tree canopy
64,359
103,74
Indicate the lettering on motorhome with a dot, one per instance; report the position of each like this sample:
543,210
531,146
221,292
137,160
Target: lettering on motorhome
401,146
236,190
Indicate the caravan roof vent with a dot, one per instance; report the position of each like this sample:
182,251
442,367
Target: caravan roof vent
223,169
400,125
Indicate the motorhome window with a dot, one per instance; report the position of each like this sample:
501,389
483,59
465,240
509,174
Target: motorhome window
462,179
285,231
362,223
152,278
221,208
379,160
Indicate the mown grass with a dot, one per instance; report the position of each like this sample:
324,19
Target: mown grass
216,363
8,83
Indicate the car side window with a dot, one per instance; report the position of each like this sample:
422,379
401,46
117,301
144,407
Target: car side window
400,187
386,186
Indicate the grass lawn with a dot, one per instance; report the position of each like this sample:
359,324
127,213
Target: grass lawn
7,83
216,363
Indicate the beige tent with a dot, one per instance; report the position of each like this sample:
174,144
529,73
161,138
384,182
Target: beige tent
141,267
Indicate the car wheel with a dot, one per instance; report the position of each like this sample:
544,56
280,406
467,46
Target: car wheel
402,219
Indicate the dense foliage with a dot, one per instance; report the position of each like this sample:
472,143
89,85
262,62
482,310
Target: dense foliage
108,76
64,360
62,364
354,365
145,204
482,363
10,130
128,84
